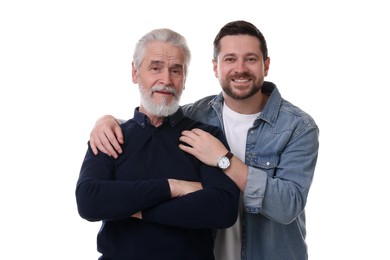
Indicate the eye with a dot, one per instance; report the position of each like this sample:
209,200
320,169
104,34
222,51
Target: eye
229,59
177,71
252,59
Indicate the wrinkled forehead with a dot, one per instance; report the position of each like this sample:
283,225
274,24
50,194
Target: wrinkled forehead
164,53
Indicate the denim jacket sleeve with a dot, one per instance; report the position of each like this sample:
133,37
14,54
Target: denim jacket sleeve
281,159
281,155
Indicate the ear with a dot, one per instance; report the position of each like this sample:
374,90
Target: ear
266,66
215,68
134,73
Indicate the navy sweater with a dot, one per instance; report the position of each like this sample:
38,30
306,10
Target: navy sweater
112,190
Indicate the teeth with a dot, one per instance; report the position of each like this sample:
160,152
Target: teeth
241,80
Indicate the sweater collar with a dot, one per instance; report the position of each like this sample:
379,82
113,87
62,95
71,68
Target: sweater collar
143,120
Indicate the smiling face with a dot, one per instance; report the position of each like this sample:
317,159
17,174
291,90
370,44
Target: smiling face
240,66
160,78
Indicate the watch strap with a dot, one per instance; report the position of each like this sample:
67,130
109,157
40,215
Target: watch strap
229,155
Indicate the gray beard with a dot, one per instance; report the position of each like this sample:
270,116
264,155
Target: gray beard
162,109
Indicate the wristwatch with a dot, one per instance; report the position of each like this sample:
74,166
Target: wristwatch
224,161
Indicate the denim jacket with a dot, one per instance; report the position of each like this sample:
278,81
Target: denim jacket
281,153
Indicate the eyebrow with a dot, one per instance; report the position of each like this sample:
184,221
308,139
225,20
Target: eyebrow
159,62
177,65
245,54
156,62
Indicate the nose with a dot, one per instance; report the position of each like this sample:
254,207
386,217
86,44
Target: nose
165,78
240,66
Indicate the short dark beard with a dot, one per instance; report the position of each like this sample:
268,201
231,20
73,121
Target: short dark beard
253,91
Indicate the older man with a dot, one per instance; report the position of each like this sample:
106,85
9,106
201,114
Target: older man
157,201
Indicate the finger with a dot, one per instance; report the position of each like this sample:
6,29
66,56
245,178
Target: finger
113,143
187,140
101,148
186,132
93,146
97,145
119,135
189,134
197,131
187,149
106,145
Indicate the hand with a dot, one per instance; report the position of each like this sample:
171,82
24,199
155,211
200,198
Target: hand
180,188
203,146
137,215
107,136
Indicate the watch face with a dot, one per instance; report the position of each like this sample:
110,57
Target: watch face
224,162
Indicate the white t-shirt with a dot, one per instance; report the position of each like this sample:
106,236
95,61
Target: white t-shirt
228,241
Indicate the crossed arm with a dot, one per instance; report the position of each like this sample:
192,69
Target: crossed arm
178,188
166,201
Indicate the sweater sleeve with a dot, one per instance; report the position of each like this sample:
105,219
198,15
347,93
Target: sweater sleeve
100,197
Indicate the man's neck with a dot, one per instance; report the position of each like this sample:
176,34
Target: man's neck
154,120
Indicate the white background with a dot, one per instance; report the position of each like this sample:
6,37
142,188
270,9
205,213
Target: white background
63,64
